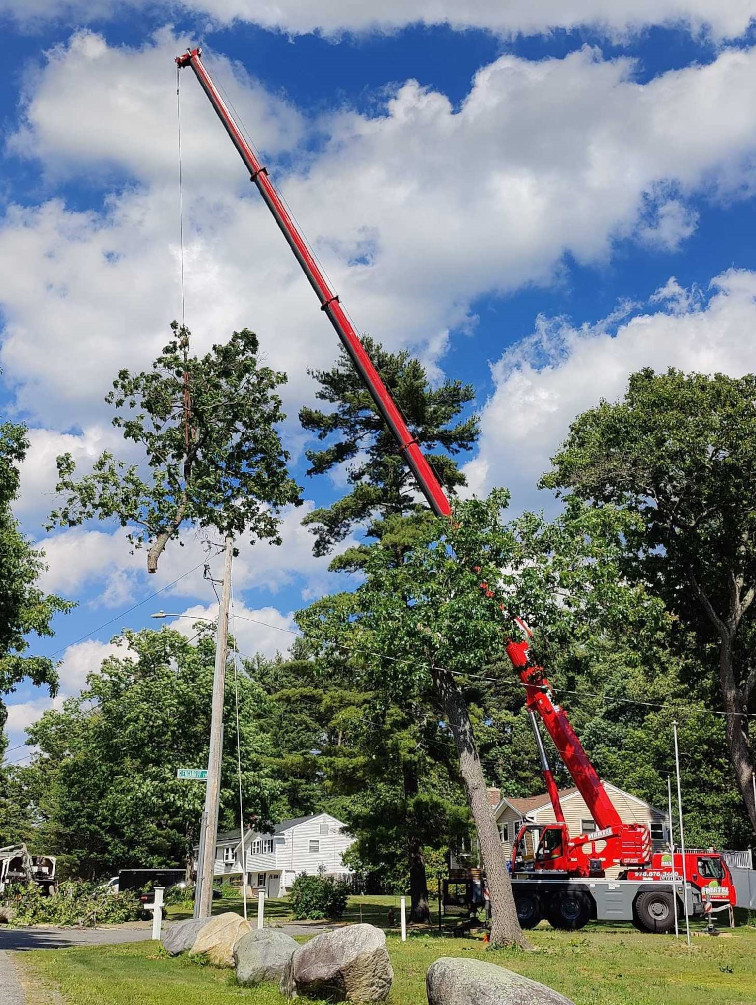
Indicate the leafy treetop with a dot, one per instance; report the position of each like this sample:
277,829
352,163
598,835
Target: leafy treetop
214,458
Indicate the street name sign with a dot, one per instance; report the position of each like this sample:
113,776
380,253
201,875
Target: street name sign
192,774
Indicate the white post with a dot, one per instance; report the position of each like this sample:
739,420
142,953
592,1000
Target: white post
672,850
403,911
682,837
157,912
260,908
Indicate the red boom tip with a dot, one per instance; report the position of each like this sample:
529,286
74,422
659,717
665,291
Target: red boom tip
185,58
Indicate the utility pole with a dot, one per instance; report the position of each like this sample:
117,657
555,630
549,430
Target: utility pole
206,868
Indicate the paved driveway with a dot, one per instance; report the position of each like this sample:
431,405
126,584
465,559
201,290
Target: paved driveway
61,938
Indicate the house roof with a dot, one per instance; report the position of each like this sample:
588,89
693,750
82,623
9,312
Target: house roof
232,837
529,803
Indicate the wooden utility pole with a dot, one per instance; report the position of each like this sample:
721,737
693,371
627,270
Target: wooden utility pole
206,868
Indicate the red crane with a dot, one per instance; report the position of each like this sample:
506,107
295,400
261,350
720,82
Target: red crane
614,843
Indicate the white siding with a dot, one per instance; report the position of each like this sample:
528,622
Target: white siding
294,854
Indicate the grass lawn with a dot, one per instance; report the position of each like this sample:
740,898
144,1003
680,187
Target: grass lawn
597,966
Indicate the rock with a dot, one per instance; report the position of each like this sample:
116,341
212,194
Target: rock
263,955
181,935
348,964
453,981
218,938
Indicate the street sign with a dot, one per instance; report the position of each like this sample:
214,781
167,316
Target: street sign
192,774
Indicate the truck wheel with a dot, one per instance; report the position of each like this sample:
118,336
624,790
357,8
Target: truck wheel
655,912
528,909
569,910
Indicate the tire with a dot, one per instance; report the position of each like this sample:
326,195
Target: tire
569,910
528,909
655,912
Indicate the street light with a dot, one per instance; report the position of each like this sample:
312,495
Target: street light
192,617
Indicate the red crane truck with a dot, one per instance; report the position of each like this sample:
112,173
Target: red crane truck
565,879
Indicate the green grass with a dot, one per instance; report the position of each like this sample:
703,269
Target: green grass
597,966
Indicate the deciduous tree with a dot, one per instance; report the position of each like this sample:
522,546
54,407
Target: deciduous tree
212,454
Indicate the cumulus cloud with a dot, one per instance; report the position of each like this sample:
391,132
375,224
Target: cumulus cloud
415,211
507,17
104,564
561,370
263,630
77,662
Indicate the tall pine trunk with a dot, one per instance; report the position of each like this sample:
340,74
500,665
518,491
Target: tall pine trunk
505,928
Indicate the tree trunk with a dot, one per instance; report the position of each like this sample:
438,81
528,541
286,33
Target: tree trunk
505,928
161,540
736,730
420,908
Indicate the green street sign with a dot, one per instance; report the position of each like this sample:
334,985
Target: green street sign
192,774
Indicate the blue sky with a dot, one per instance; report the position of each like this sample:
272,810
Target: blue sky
535,201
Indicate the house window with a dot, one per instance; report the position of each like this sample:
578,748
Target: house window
314,847
228,856
587,825
268,846
261,879
658,830
257,847
324,828
504,831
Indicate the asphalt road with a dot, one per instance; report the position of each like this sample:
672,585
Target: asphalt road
61,938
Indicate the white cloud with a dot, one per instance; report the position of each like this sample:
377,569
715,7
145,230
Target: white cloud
264,630
77,662
561,371
507,17
415,212
102,562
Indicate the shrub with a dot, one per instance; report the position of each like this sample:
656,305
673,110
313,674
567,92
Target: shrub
318,897
74,903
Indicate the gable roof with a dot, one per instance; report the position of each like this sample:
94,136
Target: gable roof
233,837
530,804
527,804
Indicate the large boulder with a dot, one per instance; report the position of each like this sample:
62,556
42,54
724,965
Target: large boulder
453,981
348,964
181,935
218,938
262,955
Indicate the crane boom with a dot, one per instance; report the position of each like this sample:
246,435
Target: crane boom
538,696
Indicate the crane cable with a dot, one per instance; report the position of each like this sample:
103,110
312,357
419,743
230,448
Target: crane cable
181,194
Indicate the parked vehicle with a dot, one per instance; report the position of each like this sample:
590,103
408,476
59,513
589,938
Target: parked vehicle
144,882
18,866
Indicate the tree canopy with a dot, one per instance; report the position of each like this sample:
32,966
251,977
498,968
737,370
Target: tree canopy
212,454
25,609
380,484
678,455
106,772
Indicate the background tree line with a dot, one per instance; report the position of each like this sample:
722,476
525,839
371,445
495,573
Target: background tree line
641,590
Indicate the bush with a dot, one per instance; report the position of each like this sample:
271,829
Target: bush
318,897
74,903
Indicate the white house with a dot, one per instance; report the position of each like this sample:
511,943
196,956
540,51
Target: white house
275,858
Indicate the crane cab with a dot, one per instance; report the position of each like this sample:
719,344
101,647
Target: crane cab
540,847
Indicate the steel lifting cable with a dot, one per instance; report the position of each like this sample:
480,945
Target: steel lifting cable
181,194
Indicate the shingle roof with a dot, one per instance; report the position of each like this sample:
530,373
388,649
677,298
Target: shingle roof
284,825
528,803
